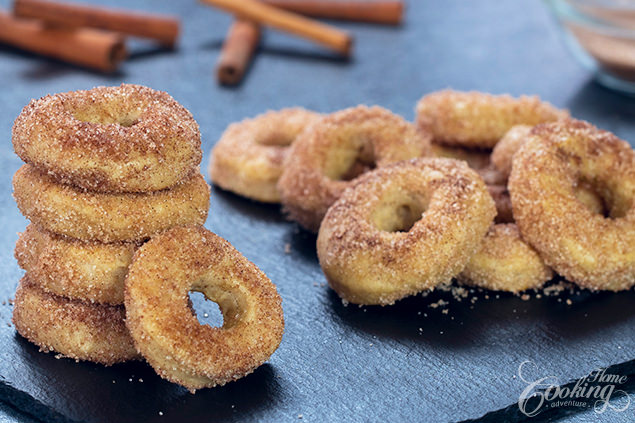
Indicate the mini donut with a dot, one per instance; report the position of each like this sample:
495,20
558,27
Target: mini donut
83,331
72,212
593,250
110,139
402,229
479,120
164,326
500,195
505,262
510,143
83,270
325,158
247,159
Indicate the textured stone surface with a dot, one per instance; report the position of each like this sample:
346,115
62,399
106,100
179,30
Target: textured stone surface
335,362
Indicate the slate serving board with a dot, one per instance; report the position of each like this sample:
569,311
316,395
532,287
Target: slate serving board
413,361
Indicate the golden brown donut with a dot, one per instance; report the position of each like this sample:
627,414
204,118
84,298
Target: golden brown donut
248,158
72,212
84,270
328,156
479,120
83,331
593,250
508,145
402,229
164,326
505,262
110,139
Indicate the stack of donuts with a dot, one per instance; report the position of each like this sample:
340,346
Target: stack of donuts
105,170
493,191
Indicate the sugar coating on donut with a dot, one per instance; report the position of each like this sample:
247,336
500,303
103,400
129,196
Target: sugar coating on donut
84,270
479,120
164,326
511,142
504,262
596,251
128,138
248,158
74,329
104,217
402,229
330,154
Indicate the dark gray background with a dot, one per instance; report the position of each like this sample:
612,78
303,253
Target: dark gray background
335,362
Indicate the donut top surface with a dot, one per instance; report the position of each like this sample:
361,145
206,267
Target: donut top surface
128,138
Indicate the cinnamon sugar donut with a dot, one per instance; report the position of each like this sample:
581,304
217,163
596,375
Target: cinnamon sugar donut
479,120
72,212
164,326
83,331
327,157
110,139
508,145
402,229
504,262
83,270
247,159
593,250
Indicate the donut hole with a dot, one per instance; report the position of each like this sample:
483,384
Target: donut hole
600,199
276,138
350,161
399,214
206,311
106,117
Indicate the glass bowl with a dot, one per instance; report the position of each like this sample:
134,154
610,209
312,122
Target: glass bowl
601,34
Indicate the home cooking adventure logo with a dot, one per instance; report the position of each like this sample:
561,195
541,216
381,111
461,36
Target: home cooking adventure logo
598,390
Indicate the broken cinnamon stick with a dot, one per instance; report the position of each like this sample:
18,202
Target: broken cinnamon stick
388,12
293,23
239,46
91,48
163,29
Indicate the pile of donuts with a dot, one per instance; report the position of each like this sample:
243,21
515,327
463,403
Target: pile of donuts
116,200
491,191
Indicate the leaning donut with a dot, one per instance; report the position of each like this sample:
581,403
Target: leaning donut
83,270
505,149
479,120
247,159
402,229
504,262
83,331
164,326
325,158
110,139
593,250
105,217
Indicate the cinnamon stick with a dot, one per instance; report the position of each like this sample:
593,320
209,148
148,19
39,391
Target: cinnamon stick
85,47
239,46
293,23
163,29
389,12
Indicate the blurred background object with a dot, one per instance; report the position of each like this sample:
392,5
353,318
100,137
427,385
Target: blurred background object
601,34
